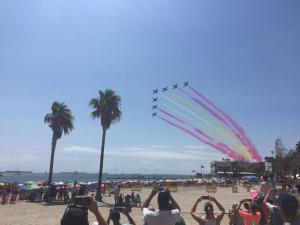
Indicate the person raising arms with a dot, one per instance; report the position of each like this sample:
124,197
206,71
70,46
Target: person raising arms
210,218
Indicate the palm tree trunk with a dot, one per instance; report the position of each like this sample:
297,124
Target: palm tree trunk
53,145
98,195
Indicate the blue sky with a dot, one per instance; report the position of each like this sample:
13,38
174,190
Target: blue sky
242,55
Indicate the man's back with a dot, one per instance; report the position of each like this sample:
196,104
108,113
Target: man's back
159,217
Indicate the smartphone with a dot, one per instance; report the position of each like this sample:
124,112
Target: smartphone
206,197
82,201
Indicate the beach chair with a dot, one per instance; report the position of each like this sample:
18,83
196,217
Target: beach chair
13,199
211,189
172,188
4,199
234,189
136,186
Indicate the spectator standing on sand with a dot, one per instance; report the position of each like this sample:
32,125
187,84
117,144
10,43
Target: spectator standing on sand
115,216
274,213
138,200
234,216
117,194
264,186
253,216
79,216
162,216
289,206
210,218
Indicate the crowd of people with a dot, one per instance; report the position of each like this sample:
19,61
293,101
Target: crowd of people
273,205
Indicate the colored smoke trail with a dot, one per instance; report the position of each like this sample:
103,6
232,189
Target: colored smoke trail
221,149
233,124
234,142
226,150
218,121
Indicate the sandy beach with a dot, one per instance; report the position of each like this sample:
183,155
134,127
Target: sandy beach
42,214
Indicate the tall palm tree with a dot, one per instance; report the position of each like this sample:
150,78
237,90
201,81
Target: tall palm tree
106,107
60,121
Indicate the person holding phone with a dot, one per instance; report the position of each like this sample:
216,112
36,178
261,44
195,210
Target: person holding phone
115,216
253,216
164,215
210,218
78,214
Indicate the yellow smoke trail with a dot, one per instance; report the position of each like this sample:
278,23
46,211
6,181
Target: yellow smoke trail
233,145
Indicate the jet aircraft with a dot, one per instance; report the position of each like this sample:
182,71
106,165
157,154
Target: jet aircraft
185,84
154,99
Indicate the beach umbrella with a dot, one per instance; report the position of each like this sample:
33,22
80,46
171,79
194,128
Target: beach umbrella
30,182
34,187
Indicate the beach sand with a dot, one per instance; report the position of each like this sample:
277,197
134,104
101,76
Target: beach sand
24,213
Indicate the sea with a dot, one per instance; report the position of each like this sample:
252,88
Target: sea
84,177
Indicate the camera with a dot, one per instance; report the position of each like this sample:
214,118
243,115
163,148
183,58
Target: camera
82,201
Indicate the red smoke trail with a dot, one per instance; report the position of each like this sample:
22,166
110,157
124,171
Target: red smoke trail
233,123
218,145
221,119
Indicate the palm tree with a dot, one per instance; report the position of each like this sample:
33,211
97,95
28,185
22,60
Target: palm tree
106,107
60,121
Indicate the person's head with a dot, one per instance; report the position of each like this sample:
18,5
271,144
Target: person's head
246,206
271,175
265,177
163,199
288,206
115,216
209,209
253,207
75,216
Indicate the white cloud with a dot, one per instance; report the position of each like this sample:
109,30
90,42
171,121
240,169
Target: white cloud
138,159
147,152
82,149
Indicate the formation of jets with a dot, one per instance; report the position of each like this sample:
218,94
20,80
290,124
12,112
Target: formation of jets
165,89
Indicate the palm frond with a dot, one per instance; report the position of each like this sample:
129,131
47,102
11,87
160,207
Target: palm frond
60,120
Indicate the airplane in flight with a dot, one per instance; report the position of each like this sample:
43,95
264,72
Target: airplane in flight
154,114
175,86
154,107
155,91
164,89
185,84
154,99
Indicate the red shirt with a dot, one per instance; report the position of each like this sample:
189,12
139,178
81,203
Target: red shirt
249,218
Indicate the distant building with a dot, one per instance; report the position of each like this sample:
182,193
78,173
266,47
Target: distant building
235,168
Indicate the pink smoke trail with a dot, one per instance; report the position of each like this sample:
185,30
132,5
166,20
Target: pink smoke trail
195,136
218,145
221,119
253,149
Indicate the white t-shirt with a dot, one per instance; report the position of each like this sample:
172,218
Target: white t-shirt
158,217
